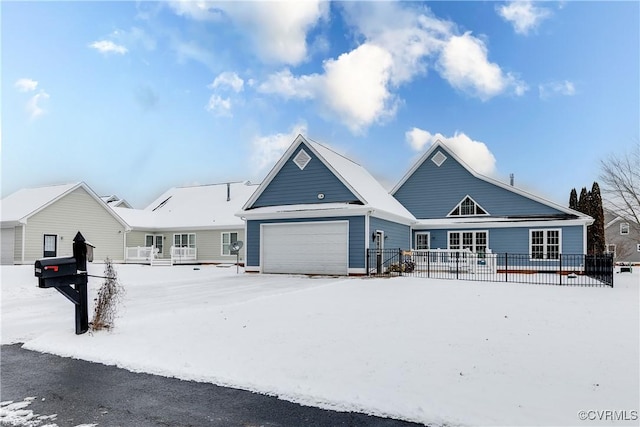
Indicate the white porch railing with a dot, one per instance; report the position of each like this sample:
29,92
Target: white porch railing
454,260
180,255
140,254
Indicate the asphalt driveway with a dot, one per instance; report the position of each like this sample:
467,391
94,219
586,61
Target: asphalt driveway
81,392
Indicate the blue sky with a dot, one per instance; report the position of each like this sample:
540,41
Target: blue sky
136,97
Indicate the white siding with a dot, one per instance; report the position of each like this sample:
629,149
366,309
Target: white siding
77,211
7,240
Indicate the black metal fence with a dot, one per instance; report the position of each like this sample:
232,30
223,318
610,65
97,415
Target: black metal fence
566,269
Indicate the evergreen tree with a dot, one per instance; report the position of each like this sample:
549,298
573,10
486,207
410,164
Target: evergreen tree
583,201
573,200
595,232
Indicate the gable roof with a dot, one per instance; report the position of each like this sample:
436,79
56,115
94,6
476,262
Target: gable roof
192,207
115,201
19,206
440,145
355,177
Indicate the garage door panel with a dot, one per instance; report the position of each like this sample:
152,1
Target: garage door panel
7,242
306,248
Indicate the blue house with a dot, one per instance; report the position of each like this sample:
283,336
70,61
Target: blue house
458,208
318,212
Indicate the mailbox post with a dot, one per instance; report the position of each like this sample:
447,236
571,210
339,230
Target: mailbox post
62,273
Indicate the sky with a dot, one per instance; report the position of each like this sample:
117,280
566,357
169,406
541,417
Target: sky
134,98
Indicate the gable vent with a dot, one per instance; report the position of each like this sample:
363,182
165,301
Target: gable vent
302,159
439,158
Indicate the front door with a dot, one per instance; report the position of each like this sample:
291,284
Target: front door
154,240
50,245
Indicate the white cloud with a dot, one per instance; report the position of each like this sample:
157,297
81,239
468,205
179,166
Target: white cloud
34,105
228,79
107,46
399,42
287,85
267,150
474,153
277,30
565,88
523,15
464,64
26,85
353,87
219,106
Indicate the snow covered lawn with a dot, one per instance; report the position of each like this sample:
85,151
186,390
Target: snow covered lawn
436,352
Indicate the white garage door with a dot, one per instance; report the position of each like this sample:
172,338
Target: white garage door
6,243
305,248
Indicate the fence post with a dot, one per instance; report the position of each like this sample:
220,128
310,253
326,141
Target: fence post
506,267
560,258
367,263
457,264
400,260
428,264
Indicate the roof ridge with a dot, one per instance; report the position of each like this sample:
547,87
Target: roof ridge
334,151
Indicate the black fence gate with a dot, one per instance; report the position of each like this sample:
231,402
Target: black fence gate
565,269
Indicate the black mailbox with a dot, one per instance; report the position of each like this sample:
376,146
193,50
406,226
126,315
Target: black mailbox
52,272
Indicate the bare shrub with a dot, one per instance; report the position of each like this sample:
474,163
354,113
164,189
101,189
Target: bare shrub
109,296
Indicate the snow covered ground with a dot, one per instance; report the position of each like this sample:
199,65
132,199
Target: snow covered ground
432,351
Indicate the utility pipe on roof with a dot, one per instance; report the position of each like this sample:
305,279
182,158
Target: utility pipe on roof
228,191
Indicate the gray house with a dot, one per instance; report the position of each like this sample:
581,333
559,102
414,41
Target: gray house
42,222
622,237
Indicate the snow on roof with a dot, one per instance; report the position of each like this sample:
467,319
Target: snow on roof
114,201
27,201
362,182
364,186
202,206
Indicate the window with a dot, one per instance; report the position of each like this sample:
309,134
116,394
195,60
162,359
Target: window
184,240
624,228
544,244
154,240
467,207
227,240
50,245
611,249
422,241
475,241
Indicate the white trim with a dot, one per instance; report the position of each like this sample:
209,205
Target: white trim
625,225
280,164
24,241
441,158
496,223
474,232
302,159
415,239
367,226
251,269
351,271
459,206
545,244
379,236
285,224
222,242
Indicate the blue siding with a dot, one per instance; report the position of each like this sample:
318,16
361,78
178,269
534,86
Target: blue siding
396,235
432,192
292,186
514,240
356,238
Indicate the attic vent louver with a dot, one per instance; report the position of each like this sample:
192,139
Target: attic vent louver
302,159
439,158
